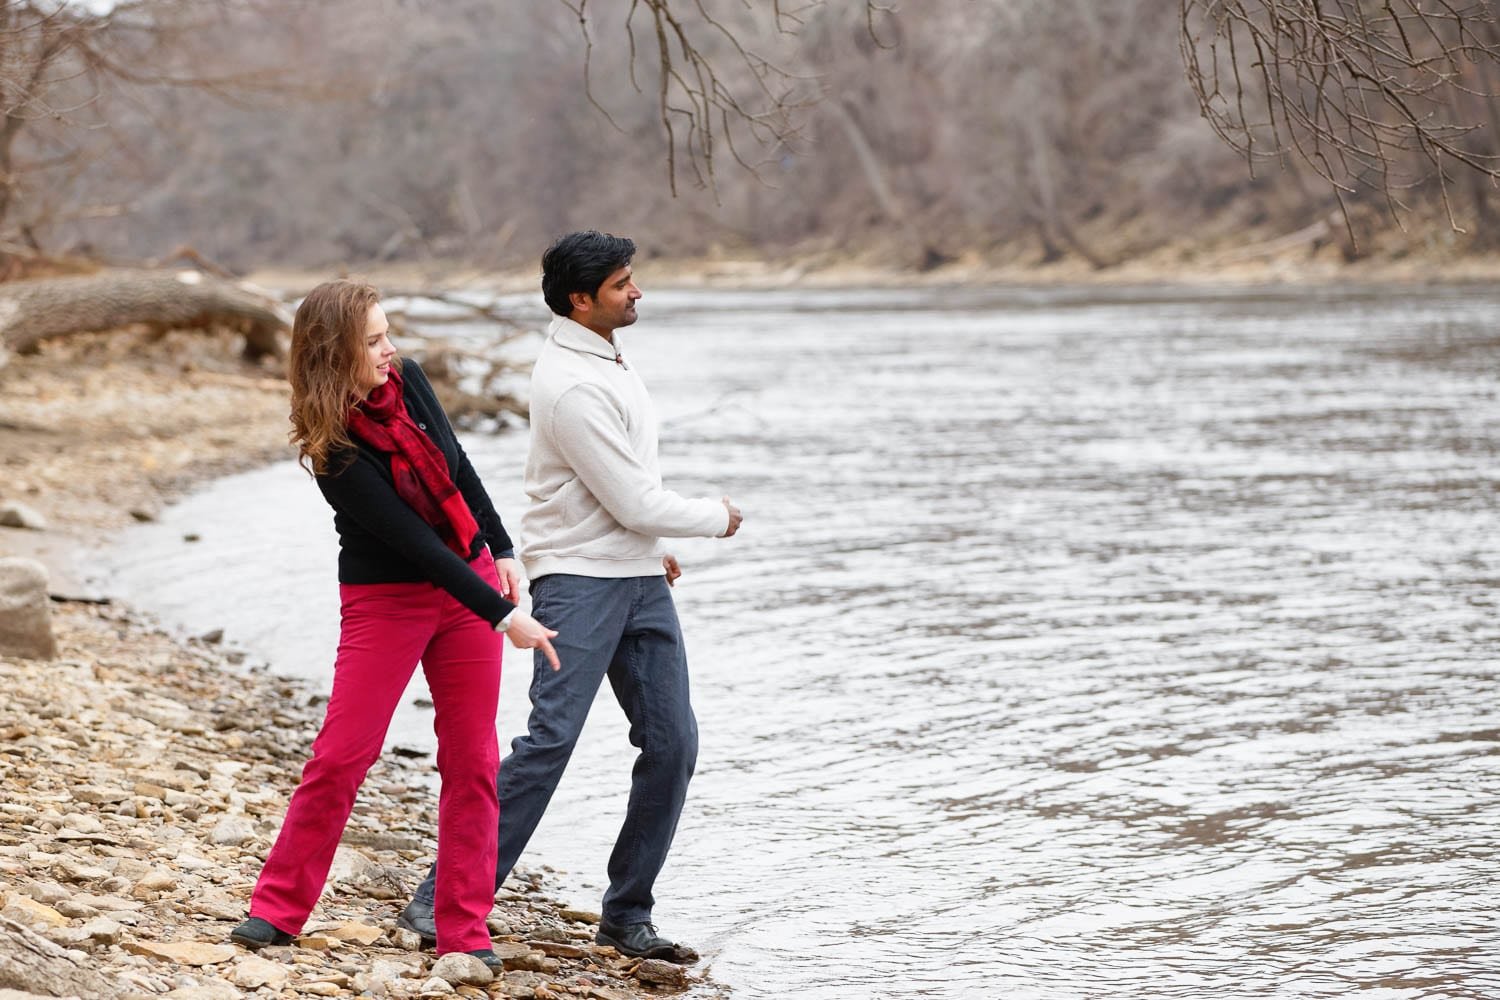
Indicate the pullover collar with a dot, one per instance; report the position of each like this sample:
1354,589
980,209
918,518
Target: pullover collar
577,337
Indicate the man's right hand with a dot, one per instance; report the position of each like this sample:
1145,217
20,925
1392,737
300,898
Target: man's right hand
734,518
525,632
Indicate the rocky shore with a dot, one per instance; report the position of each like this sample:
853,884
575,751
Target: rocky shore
144,776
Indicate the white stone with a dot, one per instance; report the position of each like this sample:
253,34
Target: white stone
25,910
73,872
406,940
357,932
158,880
233,831
363,985
217,905
185,952
214,989
253,973
76,909
351,866
461,969
14,514
84,823
104,930
388,969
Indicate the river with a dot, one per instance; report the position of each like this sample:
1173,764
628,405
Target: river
1132,642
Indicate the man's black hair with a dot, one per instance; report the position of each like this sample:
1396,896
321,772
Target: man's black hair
580,262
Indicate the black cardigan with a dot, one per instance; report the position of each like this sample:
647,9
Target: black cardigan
382,540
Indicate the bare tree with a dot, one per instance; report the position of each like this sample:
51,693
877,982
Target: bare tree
1379,95
65,65
715,84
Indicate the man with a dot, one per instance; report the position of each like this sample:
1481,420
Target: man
601,577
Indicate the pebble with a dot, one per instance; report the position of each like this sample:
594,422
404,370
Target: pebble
232,831
356,932
254,972
14,514
458,968
214,990
25,910
183,952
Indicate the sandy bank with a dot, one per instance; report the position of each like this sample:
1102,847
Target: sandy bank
1254,259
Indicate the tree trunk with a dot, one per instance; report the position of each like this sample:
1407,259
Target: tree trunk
925,256
1048,212
1482,187
868,162
31,311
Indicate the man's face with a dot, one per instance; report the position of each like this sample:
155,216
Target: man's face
612,307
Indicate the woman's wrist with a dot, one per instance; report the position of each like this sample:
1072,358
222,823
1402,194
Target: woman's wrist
504,623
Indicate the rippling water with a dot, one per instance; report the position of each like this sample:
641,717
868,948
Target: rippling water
1078,643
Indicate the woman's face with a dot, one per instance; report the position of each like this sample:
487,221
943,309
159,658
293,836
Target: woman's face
378,352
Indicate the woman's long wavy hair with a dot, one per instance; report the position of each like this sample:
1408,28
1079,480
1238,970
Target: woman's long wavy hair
327,359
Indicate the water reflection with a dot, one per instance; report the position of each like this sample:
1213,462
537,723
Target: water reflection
1136,643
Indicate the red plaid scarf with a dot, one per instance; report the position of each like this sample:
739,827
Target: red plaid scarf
417,465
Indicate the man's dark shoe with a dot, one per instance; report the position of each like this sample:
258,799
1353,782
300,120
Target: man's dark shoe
256,934
418,917
642,941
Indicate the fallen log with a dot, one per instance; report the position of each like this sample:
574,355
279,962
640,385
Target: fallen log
1307,236
31,311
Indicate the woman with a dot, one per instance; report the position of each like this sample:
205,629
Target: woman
416,582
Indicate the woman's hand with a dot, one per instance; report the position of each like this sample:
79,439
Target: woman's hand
509,572
525,632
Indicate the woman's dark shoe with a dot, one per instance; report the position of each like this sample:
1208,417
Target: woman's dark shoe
417,917
256,934
490,959
642,941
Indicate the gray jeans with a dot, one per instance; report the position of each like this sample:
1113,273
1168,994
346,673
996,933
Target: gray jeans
625,629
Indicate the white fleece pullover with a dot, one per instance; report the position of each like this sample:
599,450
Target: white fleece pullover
597,503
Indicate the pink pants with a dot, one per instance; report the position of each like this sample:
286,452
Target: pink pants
386,629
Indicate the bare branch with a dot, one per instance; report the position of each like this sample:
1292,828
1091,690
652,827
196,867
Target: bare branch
1366,92
712,82
64,68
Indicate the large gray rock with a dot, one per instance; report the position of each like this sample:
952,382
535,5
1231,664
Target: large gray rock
30,962
25,610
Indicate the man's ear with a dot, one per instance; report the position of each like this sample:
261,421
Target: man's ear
582,301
